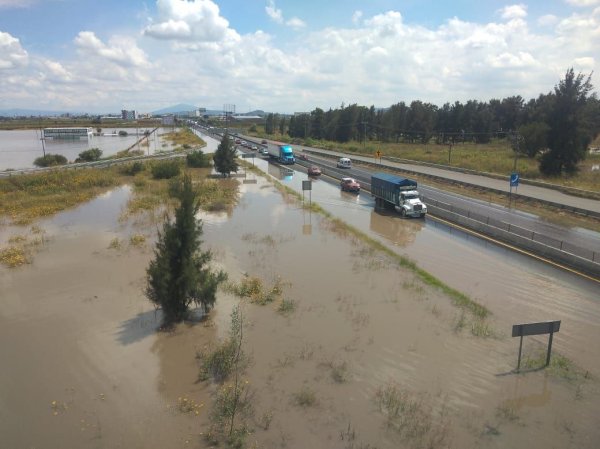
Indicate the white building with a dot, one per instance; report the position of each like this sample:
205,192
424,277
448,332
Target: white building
68,133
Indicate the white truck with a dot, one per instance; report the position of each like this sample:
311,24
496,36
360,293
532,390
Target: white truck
397,192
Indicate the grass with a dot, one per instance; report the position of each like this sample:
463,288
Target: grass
184,136
20,248
252,288
306,397
560,366
286,306
412,417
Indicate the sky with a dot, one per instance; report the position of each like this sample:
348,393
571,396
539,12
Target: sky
287,55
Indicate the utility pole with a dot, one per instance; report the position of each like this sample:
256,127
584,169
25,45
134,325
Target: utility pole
228,109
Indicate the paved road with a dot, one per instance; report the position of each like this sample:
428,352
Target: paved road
550,193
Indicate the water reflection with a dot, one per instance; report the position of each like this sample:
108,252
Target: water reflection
281,173
389,225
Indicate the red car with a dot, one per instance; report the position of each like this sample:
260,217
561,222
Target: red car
350,185
314,171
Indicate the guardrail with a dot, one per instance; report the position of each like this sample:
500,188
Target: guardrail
561,251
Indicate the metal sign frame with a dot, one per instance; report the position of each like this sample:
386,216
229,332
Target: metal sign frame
541,328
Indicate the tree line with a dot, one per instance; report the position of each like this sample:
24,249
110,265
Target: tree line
557,126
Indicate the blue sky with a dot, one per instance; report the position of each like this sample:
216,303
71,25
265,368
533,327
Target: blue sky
285,55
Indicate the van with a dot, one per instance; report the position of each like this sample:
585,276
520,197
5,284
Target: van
344,162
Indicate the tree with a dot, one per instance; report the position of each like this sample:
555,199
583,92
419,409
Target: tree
534,138
178,276
568,136
224,157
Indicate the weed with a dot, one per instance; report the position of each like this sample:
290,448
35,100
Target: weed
189,406
507,412
560,366
339,372
137,240
436,311
265,419
218,363
480,328
14,256
115,244
305,397
412,418
286,306
253,289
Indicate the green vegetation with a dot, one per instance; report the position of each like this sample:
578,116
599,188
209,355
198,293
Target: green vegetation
165,169
412,417
197,159
560,366
93,154
252,288
306,397
50,160
184,138
178,275
132,169
225,156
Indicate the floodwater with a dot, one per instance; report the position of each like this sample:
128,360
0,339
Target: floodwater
83,365
19,148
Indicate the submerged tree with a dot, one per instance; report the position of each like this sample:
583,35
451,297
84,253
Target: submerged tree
224,157
178,276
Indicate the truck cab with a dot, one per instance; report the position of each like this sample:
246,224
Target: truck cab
409,204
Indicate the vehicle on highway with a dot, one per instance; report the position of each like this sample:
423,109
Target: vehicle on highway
396,192
238,141
344,162
264,141
313,170
264,151
254,148
284,154
350,185
303,156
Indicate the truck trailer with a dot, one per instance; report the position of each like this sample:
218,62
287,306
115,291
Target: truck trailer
391,191
284,154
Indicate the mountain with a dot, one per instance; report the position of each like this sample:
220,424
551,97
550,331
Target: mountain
181,107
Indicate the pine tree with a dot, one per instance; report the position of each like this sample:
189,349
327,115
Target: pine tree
178,276
224,157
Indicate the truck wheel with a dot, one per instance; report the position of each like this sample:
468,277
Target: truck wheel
403,213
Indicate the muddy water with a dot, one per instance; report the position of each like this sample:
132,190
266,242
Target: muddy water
76,329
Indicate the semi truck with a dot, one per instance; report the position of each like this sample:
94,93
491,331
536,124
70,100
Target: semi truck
284,154
391,191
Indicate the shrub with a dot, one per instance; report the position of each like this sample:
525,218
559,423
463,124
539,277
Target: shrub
50,160
133,169
93,154
197,159
165,170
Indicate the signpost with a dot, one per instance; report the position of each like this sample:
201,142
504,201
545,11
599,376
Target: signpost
378,155
307,185
545,327
248,156
514,182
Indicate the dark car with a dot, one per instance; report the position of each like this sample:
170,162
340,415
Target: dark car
314,171
350,185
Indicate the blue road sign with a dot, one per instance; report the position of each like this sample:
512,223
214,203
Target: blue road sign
514,180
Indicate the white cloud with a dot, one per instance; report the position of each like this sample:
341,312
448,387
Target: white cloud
583,2
55,71
15,3
12,55
357,16
513,12
192,21
120,50
277,16
273,12
547,20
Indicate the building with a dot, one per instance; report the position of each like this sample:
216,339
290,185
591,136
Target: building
68,133
128,115
168,120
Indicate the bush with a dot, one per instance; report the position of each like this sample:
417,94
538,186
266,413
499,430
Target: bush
93,154
197,159
132,169
165,170
50,160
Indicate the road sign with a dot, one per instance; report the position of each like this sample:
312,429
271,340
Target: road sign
378,154
514,180
545,327
248,155
307,185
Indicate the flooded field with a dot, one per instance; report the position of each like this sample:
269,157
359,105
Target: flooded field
19,148
368,355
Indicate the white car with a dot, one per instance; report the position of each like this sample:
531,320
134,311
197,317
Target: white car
344,162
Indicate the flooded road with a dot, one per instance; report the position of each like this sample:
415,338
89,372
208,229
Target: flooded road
88,369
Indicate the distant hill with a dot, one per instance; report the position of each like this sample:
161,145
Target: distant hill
181,107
